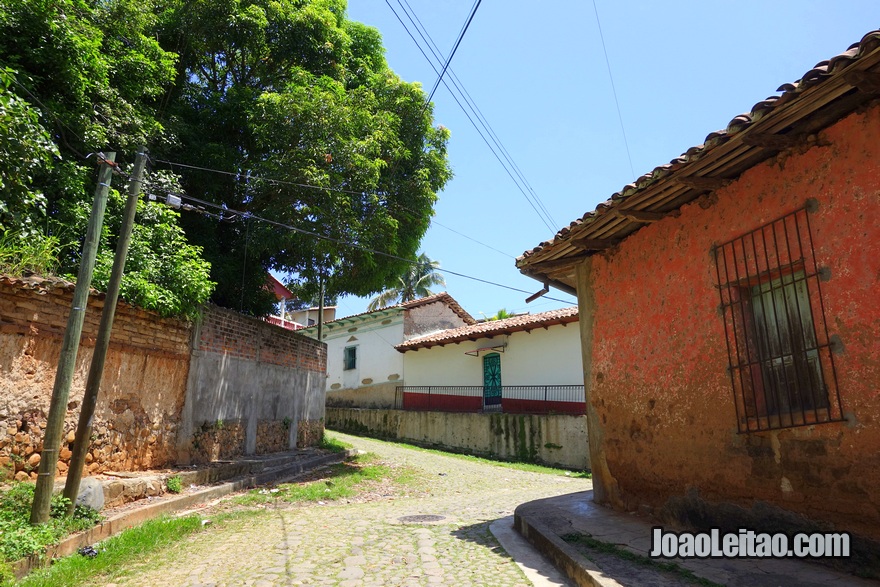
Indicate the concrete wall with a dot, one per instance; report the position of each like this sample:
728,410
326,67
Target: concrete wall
656,362
138,413
552,440
428,318
253,387
377,395
539,357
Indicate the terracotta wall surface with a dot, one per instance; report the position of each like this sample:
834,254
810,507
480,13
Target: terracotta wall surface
659,374
144,383
147,397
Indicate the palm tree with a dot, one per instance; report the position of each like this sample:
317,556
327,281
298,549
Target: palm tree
502,314
412,285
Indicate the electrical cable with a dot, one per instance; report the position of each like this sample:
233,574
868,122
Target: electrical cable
454,49
314,187
549,224
457,83
614,91
296,229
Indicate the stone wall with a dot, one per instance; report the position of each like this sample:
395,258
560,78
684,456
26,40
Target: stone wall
236,367
136,419
551,440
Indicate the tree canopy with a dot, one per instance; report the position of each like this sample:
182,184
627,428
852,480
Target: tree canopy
278,109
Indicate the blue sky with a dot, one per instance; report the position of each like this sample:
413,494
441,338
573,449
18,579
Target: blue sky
539,76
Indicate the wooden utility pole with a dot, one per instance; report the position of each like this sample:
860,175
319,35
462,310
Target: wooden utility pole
69,349
96,370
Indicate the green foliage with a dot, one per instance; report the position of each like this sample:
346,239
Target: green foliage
294,91
288,89
22,254
25,146
18,538
174,484
413,284
501,314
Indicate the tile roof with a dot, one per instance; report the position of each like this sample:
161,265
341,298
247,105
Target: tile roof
439,297
825,93
492,328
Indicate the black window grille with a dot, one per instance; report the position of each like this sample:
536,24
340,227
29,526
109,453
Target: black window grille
349,358
781,361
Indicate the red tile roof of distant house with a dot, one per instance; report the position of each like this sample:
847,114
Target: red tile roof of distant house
278,289
488,329
440,297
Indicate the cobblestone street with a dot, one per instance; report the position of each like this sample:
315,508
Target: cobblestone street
366,543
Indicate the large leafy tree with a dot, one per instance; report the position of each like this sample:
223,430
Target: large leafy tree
282,89
412,284
292,90
84,76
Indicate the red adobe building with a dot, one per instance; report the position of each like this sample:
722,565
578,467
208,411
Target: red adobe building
730,314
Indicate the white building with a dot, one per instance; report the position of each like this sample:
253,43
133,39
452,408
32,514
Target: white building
534,360
363,367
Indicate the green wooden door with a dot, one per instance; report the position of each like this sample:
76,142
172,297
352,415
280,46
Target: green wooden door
492,380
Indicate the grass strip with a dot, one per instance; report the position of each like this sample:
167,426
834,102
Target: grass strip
118,553
342,480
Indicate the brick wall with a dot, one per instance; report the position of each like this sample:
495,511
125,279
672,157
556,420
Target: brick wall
266,379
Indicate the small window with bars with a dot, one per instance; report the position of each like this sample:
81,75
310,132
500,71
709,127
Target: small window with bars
349,358
781,361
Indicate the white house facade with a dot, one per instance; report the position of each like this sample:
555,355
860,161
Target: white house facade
363,367
527,359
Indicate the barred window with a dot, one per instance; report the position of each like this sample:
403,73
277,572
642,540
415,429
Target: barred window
349,358
781,364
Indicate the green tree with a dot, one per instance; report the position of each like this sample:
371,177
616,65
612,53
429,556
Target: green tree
501,314
100,73
296,92
25,146
413,284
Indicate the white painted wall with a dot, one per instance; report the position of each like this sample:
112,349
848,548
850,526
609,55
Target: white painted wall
541,357
377,360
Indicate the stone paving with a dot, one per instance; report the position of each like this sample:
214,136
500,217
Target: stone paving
367,544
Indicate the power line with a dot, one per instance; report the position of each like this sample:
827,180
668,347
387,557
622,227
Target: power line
614,91
314,187
435,50
454,49
549,224
248,215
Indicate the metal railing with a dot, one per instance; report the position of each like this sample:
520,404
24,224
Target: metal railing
513,399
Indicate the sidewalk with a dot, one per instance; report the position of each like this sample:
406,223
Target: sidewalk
545,522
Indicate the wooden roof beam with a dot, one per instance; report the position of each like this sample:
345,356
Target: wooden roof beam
643,216
866,81
703,183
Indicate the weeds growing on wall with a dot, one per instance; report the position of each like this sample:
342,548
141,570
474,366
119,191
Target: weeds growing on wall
34,254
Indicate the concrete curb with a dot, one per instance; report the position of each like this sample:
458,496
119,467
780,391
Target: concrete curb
125,520
578,568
